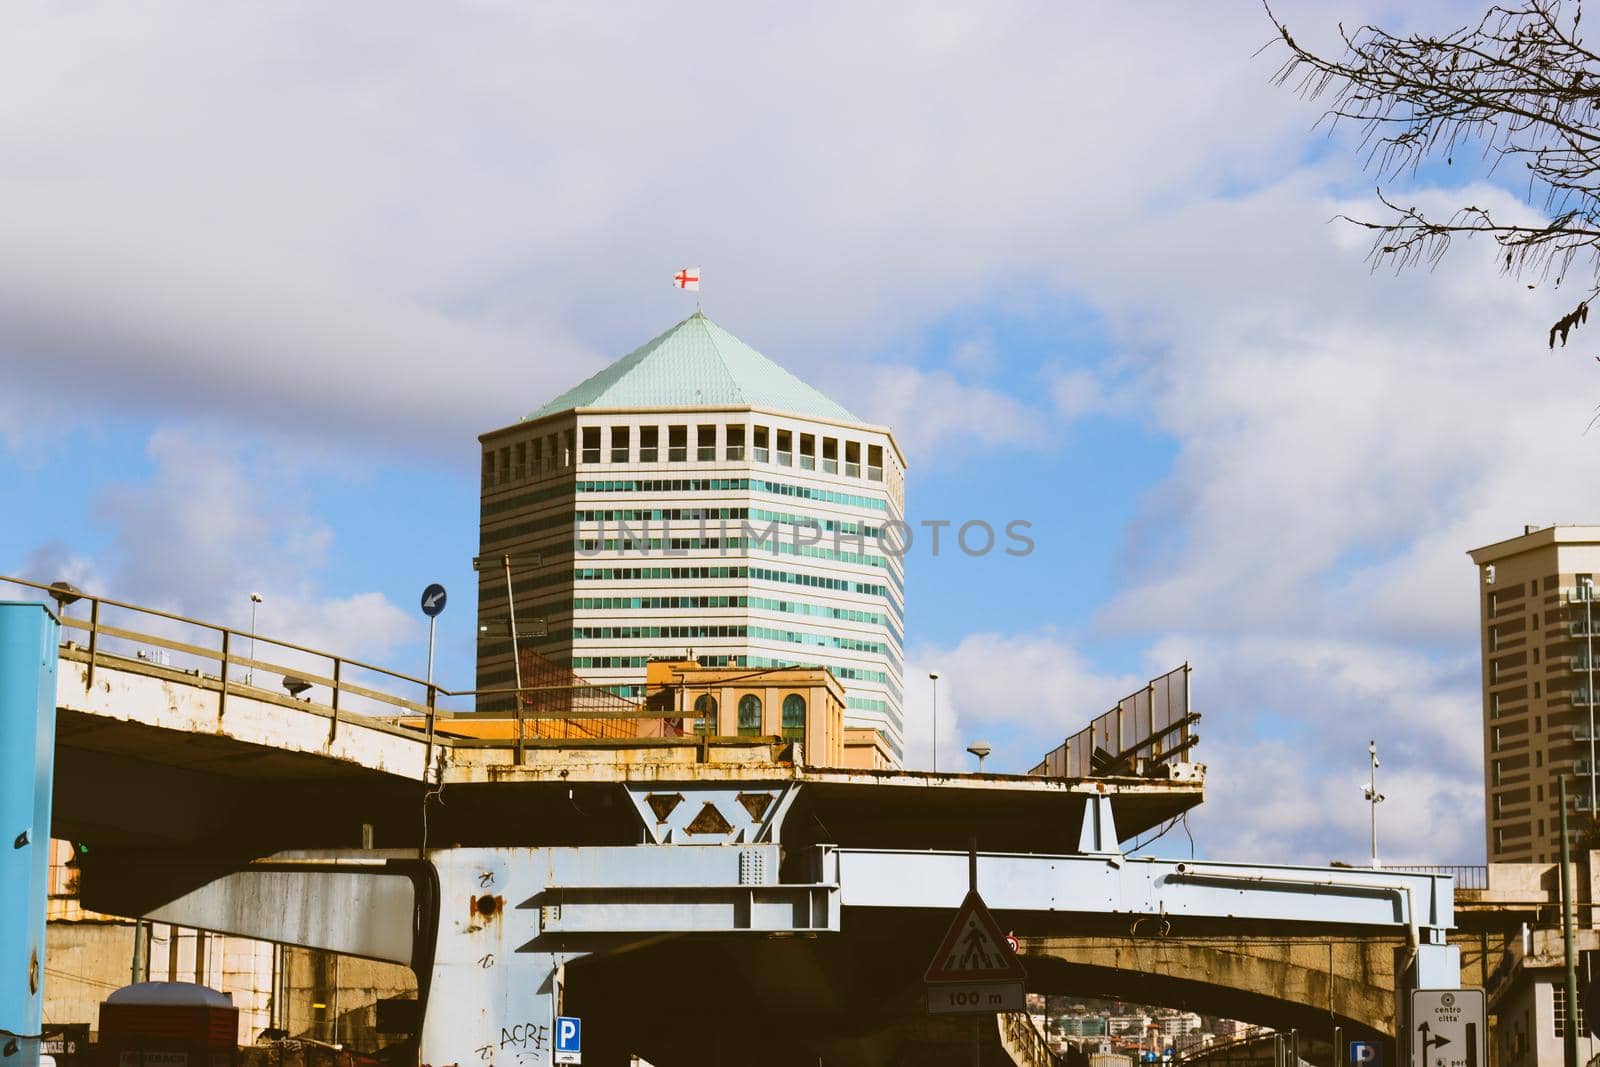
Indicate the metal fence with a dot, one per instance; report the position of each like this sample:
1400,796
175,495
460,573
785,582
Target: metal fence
1467,876
103,633
1147,727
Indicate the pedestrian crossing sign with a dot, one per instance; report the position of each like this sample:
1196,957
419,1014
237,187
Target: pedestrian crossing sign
974,949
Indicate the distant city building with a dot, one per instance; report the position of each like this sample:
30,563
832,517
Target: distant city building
1175,1023
1134,1025
1082,1025
1538,629
695,498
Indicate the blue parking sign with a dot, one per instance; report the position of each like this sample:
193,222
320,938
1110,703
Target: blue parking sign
569,1039
1365,1054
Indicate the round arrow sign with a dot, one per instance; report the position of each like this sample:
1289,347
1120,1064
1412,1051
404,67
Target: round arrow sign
433,600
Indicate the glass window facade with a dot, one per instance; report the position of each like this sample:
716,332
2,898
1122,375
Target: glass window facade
794,717
749,715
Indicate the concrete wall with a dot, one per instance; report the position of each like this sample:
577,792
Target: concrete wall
84,961
334,998
324,997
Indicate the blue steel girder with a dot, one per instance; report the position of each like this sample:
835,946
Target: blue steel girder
492,944
1422,905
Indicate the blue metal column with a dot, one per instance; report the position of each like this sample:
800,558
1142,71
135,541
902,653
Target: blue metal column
27,765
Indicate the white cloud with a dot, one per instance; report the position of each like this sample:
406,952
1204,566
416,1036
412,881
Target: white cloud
394,222
1021,693
936,416
1077,393
210,526
410,225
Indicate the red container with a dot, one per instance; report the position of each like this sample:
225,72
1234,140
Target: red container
168,1024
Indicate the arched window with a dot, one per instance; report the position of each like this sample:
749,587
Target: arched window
749,715
705,709
794,717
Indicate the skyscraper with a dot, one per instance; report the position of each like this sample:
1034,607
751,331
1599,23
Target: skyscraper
695,498
1538,629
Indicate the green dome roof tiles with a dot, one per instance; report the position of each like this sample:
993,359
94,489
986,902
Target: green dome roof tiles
697,364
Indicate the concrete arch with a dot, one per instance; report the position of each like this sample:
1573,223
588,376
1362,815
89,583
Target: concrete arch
1309,984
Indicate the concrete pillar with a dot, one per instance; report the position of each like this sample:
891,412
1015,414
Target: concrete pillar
27,770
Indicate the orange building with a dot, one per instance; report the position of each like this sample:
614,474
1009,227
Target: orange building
800,704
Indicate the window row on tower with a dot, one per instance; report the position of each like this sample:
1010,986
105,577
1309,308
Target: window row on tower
549,453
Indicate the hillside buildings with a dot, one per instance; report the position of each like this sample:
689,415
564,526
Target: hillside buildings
1539,624
696,501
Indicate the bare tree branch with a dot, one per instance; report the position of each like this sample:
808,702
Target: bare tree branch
1519,86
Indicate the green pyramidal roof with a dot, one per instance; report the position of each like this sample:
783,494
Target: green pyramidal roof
696,364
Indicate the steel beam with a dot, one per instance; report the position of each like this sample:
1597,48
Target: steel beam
355,906
712,813
27,762
1089,884
1098,835
495,927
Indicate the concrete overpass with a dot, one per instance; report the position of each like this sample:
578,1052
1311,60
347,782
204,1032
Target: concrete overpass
808,901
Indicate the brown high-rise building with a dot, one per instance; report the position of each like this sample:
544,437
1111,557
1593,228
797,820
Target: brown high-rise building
1538,631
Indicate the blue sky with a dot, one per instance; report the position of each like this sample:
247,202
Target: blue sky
265,274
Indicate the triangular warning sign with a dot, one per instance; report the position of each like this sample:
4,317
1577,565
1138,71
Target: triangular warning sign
974,950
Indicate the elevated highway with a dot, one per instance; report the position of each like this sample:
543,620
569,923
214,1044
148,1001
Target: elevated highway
639,883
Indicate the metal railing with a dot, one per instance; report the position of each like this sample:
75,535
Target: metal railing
1023,1041
212,657
1149,727
1467,876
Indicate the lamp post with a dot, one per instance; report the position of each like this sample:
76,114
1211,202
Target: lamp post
933,677
527,559
250,672
1374,798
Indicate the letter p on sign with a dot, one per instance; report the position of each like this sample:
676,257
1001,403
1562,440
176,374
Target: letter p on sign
569,1039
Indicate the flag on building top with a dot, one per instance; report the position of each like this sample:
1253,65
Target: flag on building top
687,278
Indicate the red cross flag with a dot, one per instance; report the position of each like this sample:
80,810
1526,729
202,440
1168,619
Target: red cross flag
688,278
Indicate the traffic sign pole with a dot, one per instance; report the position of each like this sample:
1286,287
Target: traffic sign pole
433,601
433,621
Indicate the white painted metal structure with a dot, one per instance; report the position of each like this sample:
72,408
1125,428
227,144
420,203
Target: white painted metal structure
489,930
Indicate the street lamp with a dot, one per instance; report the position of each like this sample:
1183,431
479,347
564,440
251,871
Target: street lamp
526,559
981,750
250,672
934,678
1374,798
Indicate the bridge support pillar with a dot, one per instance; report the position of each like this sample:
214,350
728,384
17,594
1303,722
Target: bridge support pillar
27,763
493,991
